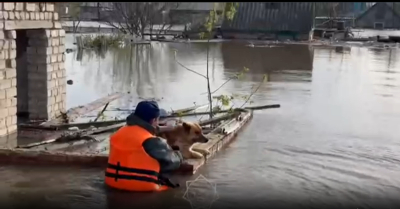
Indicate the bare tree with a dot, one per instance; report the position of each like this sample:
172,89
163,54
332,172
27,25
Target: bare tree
166,21
229,11
135,18
74,9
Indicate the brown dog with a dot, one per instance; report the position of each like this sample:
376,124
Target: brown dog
184,136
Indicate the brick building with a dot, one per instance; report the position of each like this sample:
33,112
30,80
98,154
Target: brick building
32,78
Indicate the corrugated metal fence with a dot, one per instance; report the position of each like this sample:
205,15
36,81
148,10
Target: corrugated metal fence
272,17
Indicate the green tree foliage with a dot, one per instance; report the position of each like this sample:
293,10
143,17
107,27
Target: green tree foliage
229,10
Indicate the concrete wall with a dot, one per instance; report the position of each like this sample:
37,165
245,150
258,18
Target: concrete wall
39,58
380,12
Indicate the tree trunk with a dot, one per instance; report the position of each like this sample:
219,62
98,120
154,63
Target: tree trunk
208,81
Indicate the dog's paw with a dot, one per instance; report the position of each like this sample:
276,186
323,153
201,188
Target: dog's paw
206,153
197,155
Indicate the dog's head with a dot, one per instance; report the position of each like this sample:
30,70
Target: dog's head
194,132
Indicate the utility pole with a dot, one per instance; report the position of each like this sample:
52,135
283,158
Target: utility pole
98,11
313,15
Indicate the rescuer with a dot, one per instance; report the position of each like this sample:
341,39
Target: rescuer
138,159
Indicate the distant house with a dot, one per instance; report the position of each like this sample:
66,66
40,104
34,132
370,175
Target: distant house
88,11
193,13
380,16
275,19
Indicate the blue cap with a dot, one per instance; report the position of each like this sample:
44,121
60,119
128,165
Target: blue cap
163,113
147,110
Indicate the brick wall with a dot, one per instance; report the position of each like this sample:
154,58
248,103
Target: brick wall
46,73
43,77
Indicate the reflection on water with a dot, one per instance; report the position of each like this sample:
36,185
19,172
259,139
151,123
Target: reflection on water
157,75
334,141
369,33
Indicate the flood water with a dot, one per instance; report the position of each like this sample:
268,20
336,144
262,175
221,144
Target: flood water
334,141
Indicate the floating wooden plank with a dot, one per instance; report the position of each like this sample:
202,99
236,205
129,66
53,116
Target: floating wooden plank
34,136
225,111
75,136
101,112
76,112
218,119
59,158
53,126
263,107
88,145
32,157
219,138
81,110
94,146
356,39
69,125
186,110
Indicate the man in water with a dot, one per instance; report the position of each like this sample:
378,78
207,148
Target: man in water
138,159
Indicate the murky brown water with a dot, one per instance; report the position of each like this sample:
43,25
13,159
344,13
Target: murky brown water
335,140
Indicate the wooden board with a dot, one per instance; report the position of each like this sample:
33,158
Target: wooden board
54,125
218,141
39,157
76,112
32,157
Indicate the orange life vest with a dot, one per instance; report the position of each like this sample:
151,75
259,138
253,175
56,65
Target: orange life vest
129,166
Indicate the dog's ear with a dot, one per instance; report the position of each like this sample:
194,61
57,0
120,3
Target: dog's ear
186,127
198,126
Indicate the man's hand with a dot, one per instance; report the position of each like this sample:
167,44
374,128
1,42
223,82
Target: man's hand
159,149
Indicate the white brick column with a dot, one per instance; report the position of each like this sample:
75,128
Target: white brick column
41,79
8,84
46,73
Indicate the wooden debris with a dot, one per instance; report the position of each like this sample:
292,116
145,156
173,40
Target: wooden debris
232,122
218,140
77,135
263,107
101,112
76,112
99,123
85,134
22,156
185,110
219,119
79,125
173,115
52,158
89,129
227,111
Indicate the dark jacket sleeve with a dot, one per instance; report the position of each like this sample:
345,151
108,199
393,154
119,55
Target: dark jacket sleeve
158,149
